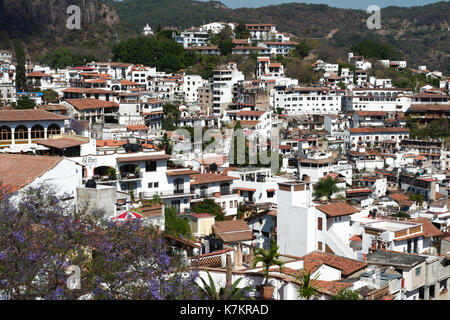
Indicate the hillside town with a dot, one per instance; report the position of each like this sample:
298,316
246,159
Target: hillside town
339,185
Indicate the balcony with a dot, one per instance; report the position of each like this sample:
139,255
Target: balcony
128,176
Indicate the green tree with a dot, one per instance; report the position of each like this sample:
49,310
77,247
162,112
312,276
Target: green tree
346,294
171,115
416,198
25,102
209,206
164,54
326,188
50,96
175,225
21,76
377,50
302,49
307,288
226,47
268,258
165,144
241,31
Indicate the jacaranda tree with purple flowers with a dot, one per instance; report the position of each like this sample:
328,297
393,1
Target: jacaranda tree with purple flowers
41,236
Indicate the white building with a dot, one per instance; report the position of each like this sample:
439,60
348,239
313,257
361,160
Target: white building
309,100
223,82
191,83
377,99
303,227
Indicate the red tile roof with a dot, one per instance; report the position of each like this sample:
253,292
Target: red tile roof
61,143
337,209
90,103
204,178
233,230
29,115
38,75
137,127
144,158
312,261
17,171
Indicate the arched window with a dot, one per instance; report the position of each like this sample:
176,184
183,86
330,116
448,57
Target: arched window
37,132
54,129
21,133
5,133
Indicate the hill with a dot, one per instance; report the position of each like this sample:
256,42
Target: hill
421,33
41,26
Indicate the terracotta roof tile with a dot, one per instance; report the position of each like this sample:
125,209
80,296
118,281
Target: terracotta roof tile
29,115
16,171
61,143
315,259
337,209
204,178
90,103
233,230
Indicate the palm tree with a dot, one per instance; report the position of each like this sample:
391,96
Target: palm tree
210,292
326,188
268,258
307,288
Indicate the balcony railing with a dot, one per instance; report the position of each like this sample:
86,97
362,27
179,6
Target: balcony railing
125,176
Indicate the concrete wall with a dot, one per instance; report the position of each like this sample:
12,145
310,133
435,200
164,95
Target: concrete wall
102,198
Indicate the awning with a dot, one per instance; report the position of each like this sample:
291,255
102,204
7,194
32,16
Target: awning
245,189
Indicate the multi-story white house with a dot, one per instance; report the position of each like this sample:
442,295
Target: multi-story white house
217,187
223,82
377,99
191,83
262,31
193,37
309,100
371,135
303,226
143,173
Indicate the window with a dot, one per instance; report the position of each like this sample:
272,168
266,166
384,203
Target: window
319,223
231,204
319,245
150,166
418,271
150,185
21,133
156,185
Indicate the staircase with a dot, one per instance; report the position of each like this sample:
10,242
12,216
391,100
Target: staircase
338,247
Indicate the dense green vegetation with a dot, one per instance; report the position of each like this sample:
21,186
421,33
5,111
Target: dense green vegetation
175,225
209,206
63,57
25,102
436,129
164,54
21,76
410,30
378,50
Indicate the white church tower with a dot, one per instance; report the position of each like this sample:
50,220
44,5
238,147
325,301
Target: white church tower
147,31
